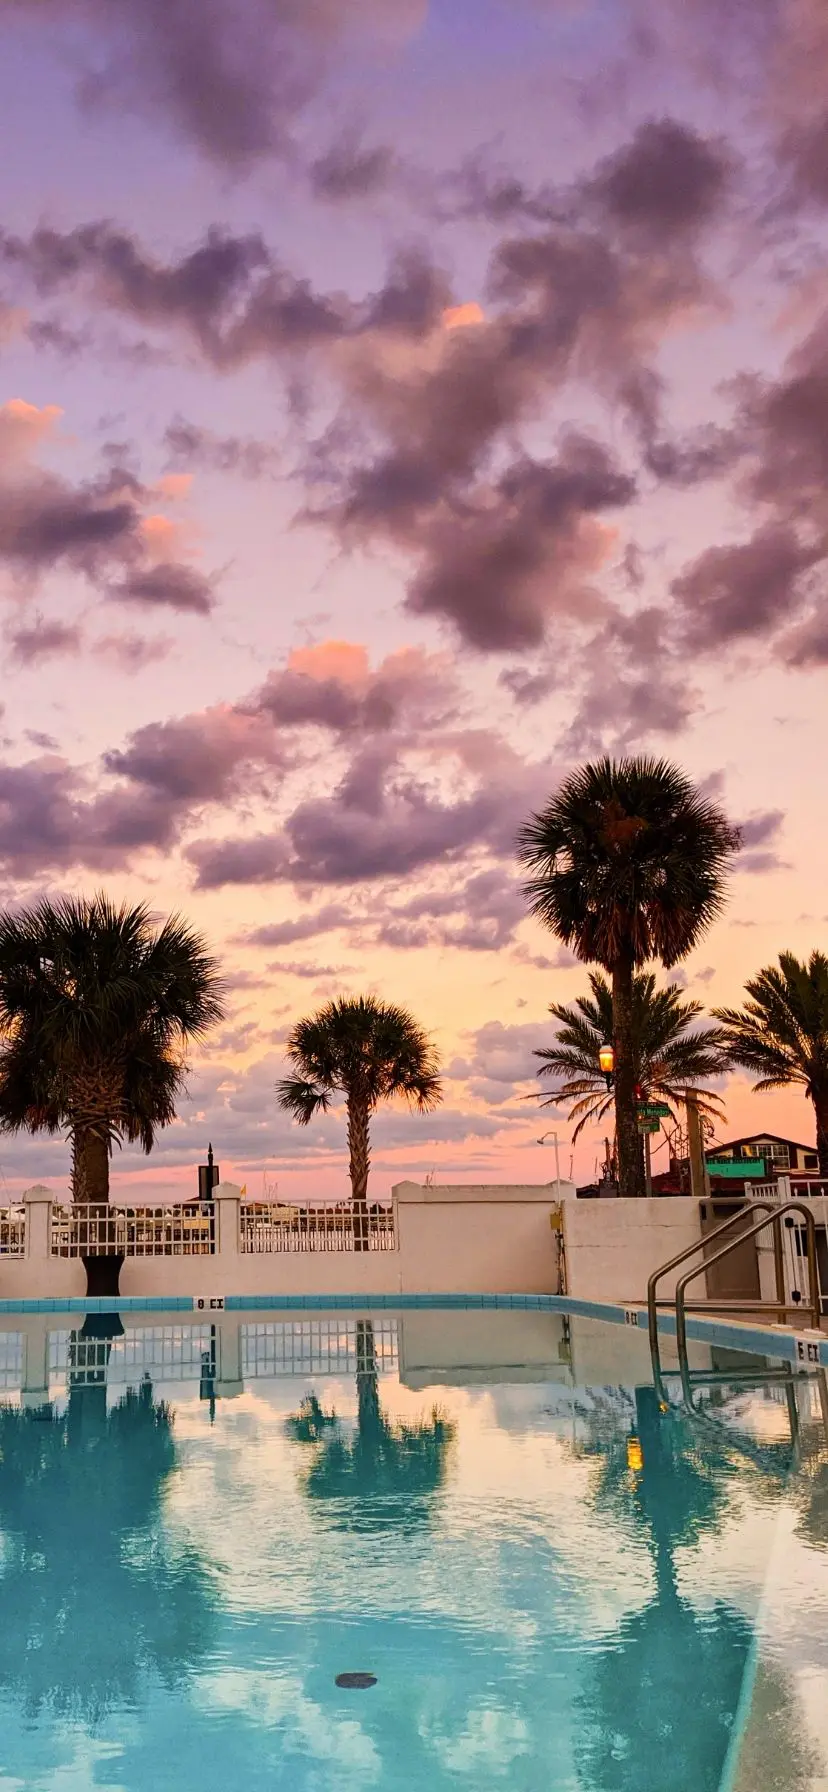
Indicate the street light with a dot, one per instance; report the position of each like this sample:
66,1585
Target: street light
606,1059
541,1141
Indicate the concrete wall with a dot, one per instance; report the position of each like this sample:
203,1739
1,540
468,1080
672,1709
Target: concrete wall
449,1240
612,1247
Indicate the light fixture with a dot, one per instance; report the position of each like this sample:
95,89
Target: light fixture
606,1059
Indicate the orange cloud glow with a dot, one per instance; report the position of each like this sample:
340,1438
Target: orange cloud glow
174,486
23,426
461,317
331,659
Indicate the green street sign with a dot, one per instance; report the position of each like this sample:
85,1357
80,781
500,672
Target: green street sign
653,1110
649,1125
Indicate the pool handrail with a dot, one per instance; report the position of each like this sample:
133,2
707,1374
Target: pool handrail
689,1251
773,1218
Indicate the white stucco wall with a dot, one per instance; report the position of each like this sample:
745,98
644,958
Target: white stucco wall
613,1246
450,1239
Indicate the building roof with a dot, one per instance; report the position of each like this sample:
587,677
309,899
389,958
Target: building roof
758,1138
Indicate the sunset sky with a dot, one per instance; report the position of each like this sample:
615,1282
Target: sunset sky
403,400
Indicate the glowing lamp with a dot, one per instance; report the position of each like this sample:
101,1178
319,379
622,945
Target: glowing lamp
635,1455
606,1059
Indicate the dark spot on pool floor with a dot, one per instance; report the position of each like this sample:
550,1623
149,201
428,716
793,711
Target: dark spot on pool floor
356,1680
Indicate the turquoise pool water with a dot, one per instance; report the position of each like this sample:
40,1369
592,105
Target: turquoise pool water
556,1586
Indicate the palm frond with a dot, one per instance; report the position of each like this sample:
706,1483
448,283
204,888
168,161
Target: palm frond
302,1098
670,1059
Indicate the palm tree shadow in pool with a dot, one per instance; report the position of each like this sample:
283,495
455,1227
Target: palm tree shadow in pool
95,1596
382,1475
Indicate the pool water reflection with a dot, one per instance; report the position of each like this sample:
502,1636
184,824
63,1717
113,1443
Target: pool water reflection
552,1583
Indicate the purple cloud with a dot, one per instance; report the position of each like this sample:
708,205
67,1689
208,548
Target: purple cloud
30,643
167,586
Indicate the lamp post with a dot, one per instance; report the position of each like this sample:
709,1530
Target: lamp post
606,1059
541,1141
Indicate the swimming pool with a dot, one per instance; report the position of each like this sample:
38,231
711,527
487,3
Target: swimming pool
552,1584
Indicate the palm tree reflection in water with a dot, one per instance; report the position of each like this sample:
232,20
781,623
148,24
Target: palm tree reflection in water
385,1473
95,1596
662,1695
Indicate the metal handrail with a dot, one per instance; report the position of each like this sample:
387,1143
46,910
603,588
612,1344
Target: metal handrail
774,1219
690,1250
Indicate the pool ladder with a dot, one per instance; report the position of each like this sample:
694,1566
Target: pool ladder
773,1215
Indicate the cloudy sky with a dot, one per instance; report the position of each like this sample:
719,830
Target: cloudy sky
403,399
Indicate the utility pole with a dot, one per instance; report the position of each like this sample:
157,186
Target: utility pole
699,1179
648,1168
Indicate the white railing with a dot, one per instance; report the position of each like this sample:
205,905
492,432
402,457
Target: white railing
790,1188
12,1232
88,1229
268,1226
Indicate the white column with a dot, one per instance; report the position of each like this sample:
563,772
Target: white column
37,1203
227,1196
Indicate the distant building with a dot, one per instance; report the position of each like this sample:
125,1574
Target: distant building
762,1155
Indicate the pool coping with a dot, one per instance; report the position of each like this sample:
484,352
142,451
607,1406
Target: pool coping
760,1340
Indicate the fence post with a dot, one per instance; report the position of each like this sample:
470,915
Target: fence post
227,1196
37,1203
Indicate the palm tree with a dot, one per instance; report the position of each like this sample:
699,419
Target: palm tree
781,1034
668,1059
97,1005
367,1051
627,864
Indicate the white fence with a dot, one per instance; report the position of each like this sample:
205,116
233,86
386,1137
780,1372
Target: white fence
189,1230
12,1232
268,1226
94,1230
426,1240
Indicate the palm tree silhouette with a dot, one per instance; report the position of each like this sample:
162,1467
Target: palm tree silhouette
97,1007
668,1057
781,1034
626,863
368,1051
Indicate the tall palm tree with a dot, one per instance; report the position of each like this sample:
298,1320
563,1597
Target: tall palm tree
668,1058
97,1006
627,864
367,1051
781,1034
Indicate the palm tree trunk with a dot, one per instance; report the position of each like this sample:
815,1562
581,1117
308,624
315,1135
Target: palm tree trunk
90,1167
359,1163
630,1156
821,1107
